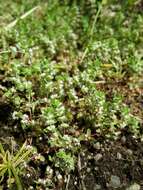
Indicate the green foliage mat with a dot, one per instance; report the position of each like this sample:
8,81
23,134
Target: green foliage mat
70,75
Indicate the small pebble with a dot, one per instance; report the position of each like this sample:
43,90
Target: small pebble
135,186
129,151
75,183
88,170
123,139
115,181
96,168
98,157
97,146
97,187
119,156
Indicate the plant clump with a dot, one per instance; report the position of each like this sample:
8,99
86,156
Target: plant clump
68,72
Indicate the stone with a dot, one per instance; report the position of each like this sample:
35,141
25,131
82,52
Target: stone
97,187
98,157
119,156
123,139
97,146
135,186
115,181
129,152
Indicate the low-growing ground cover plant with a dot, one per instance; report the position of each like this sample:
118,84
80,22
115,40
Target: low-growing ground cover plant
70,79
11,164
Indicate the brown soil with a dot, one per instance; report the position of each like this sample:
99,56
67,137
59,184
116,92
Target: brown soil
121,158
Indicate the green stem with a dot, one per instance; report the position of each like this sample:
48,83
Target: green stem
18,183
91,33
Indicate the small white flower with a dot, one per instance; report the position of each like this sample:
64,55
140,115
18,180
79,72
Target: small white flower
28,175
59,176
